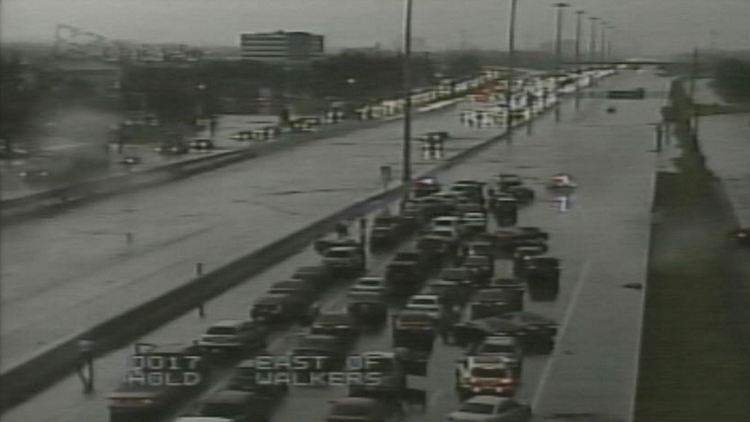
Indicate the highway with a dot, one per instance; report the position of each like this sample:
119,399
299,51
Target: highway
601,235
108,256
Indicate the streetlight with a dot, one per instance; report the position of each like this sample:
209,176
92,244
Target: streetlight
558,54
579,18
592,44
603,43
406,75
609,43
511,69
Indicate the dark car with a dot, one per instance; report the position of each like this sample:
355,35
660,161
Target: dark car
202,144
248,377
437,248
412,255
338,324
522,194
293,287
536,330
450,293
238,406
382,237
367,307
414,330
233,336
329,351
403,277
283,308
488,303
506,180
318,275
34,175
483,267
505,210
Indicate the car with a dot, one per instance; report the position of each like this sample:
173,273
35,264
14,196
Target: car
238,406
480,247
430,304
331,350
505,210
523,194
172,148
391,375
453,223
536,331
491,409
243,135
293,287
403,277
35,174
437,247
233,335
411,255
338,324
474,222
461,275
382,237
283,308
325,244
248,377
451,293
486,375
483,267
505,180
367,307
425,186
450,234
202,144
363,409
488,302
344,260
505,346
317,274
414,329
373,284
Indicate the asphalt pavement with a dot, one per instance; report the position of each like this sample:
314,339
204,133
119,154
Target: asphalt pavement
600,232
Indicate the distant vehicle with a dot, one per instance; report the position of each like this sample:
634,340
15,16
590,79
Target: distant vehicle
474,222
202,144
35,174
488,303
391,374
337,324
373,284
485,375
523,194
345,260
318,275
491,409
233,335
429,304
414,330
425,186
246,377
483,267
403,277
505,180
331,349
367,307
283,308
294,287
363,409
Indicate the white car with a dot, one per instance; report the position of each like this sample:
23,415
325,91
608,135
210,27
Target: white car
426,303
369,284
491,409
485,375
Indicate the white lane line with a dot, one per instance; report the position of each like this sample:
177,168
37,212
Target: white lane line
561,333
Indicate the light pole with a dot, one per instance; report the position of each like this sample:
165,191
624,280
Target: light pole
608,47
579,19
592,45
603,43
511,69
558,55
406,75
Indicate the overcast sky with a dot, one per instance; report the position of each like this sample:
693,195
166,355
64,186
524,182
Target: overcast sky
655,26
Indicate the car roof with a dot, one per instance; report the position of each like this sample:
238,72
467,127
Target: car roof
503,340
228,323
371,278
342,248
425,296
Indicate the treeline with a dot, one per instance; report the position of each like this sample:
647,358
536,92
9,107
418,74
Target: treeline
732,78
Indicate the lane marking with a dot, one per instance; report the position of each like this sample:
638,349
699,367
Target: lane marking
561,333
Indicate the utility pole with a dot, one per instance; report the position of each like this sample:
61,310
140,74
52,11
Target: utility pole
558,56
406,74
579,18
592,43
511,69
602,43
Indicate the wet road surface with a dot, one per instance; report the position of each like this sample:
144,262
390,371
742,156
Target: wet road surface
602,239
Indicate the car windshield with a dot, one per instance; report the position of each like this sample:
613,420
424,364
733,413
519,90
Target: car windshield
222,330
489,373
423,301
478,408
350,410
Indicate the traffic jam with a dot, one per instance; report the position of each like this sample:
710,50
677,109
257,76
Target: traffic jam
456,271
